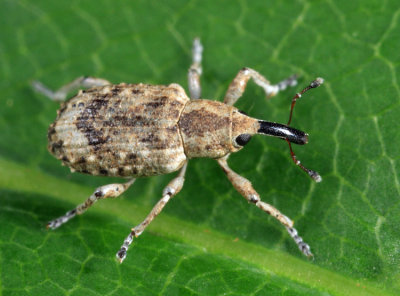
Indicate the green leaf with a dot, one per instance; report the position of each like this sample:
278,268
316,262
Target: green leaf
208,240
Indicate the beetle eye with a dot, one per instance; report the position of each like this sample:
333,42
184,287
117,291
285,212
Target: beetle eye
243,139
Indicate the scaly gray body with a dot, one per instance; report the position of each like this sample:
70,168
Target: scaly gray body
136,130
142,130
121,130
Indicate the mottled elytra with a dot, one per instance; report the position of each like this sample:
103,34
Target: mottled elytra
139,130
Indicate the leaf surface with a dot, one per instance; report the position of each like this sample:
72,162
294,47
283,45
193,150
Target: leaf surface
208,240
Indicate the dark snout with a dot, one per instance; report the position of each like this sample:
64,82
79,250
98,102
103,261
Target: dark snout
283,131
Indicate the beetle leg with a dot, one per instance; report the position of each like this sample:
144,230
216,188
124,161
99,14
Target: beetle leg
239,83
111,190
244,187
195,70
61,94
170,191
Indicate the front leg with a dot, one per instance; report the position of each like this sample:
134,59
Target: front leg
244,187
238,85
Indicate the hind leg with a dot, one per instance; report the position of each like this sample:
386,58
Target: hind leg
170,191
111,190
61,94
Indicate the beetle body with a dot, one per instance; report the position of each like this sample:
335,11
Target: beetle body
141,130
138,130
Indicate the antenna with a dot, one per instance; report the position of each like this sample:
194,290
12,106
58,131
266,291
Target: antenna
313,174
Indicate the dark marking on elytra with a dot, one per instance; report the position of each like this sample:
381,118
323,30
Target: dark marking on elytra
121,120
81,160
121,172
103,171
151,138
56,146
175,104
117,103
85,122
51,132
98,103
116,90
105,96
157,102
63,107
154,142
132,156
136,91
96,142
64,158
106,121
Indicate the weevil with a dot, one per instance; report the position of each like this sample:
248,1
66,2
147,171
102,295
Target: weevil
140,130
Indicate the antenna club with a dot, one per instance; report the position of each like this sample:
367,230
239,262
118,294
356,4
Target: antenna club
317,82
315,176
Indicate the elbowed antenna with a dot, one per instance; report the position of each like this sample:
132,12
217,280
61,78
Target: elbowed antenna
317,82
313,174
289,134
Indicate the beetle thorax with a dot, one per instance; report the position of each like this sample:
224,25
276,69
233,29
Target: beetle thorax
206,129
209,128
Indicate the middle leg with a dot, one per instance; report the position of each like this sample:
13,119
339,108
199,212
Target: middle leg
195,70
170,191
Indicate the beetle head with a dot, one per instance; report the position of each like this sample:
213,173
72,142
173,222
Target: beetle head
244,127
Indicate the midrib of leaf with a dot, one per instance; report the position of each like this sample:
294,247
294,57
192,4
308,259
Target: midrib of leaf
270,261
